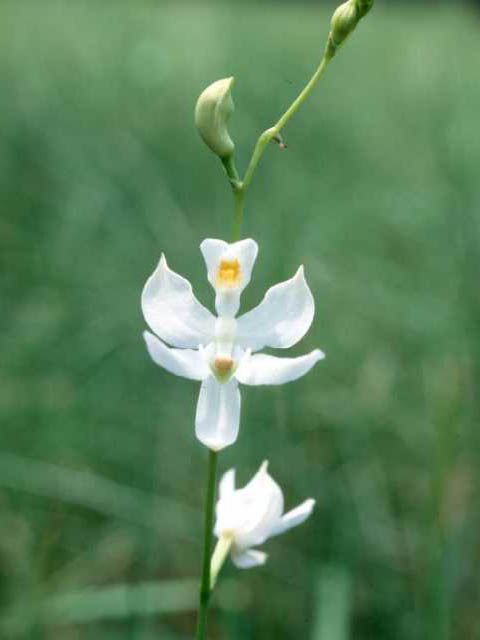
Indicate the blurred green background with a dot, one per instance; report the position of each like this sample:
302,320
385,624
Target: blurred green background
101,169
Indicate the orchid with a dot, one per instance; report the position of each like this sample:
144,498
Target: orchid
247,517
221,351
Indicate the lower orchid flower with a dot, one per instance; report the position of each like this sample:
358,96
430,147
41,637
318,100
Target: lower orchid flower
220,351
247,517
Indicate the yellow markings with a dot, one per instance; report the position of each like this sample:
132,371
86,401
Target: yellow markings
223,365
229,273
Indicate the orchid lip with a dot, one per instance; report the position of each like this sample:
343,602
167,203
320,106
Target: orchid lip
229,273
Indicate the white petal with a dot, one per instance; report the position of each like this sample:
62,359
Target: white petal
228,290
212,251
227,484
172,311
281,319
218,413
256,509
262,369
245,251
182,362
294,517
249,558
227,302
226,511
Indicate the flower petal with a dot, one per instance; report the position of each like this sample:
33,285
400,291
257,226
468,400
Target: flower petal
182,362
227,484
249,558
229,269
212,251
263,369
294,517
258,507
172,311
227,513
218,413
281,319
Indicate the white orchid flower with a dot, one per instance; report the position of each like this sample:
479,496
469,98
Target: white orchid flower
219,351
248,517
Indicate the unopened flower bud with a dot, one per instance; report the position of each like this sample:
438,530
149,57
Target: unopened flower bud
364,7
212,112
344,21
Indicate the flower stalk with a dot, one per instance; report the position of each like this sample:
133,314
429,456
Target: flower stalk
344,21
205,587
226,359
239,187
273,132
239,196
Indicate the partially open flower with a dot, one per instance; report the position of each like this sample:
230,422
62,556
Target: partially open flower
247,517
219,351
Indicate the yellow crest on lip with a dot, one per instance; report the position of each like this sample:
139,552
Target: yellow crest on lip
229,273
223,364
223,367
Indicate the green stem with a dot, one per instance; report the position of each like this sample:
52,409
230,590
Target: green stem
239,187
239,196
260,147
274,131
207,545
231,171
300,99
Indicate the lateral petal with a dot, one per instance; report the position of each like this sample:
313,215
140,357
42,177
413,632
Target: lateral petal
218,413
264,369
294,517
227,484
249,558
182,362
281,319
172,311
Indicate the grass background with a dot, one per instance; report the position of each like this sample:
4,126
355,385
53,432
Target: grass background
101,169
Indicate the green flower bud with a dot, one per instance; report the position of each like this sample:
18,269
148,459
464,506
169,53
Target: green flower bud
212,112
364,7
344,21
